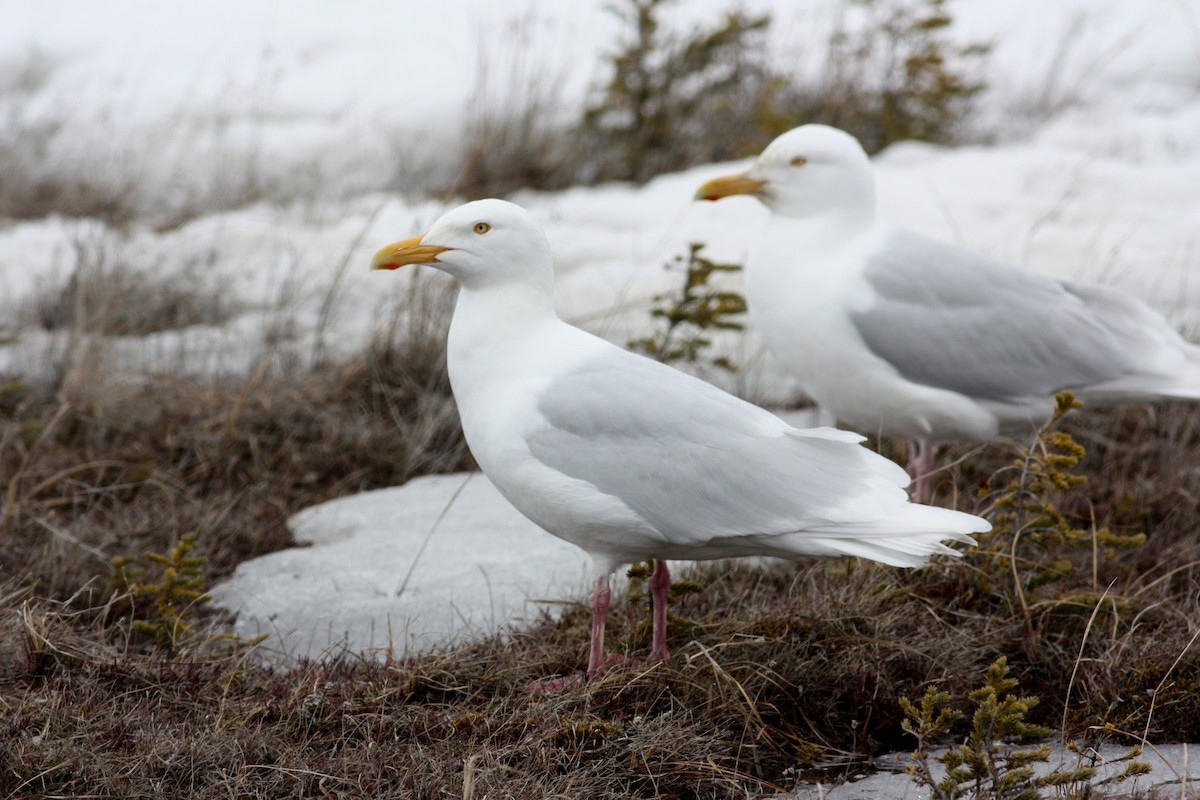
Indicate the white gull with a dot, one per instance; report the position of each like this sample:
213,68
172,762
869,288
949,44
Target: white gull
901,335
632,460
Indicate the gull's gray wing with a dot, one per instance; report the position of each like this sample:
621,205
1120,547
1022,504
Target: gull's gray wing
699,464
946,317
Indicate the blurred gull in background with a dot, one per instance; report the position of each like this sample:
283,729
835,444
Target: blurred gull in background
899,334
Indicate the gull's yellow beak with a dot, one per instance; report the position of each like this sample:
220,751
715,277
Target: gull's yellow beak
407,251
727,185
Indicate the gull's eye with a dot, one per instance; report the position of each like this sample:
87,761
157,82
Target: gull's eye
481,228
799,161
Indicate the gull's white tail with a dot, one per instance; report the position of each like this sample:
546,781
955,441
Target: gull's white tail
905,538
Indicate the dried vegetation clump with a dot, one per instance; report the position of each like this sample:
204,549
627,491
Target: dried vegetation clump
34,184
104,294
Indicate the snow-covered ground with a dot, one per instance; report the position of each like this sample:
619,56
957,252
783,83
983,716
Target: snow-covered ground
1173,773
323,104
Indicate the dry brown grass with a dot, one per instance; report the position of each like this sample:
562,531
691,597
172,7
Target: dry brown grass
34,185
97,466
513,131
104,294
776,670
785,669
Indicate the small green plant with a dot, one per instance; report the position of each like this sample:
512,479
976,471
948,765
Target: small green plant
1026,496
674,100
691,312
896,73
988,764
168,605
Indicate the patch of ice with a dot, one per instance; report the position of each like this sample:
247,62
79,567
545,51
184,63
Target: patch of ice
1175,772
484,567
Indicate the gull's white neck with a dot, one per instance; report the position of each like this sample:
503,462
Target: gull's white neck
820,233
501,336
506,344
496,318
800,265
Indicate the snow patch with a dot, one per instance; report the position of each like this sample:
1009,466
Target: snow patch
482,568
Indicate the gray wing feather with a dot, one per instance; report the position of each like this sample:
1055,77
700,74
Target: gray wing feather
957,320
699,464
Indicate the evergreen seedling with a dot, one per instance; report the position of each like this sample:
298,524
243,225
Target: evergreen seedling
692,311
988,764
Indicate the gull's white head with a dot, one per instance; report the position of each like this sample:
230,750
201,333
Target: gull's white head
483,243
809,170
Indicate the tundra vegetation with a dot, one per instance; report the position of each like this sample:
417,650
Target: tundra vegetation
125,492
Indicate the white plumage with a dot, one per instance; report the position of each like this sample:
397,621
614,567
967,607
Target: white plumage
902,335
630,459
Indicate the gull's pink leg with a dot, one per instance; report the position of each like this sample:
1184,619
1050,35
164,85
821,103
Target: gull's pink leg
921,459
660,582
601,596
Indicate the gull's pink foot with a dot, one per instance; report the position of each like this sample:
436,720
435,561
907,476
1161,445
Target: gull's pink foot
598,663
565,682
559,684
